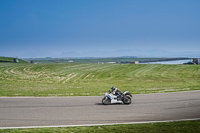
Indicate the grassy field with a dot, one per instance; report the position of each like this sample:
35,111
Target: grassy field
10,59
169,127
73,79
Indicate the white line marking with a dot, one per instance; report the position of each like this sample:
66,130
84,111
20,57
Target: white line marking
88,125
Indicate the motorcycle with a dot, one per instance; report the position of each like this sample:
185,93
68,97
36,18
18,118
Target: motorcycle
110,98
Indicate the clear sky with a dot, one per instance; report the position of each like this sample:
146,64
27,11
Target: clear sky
57,26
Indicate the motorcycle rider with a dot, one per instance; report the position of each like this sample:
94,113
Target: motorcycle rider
116,92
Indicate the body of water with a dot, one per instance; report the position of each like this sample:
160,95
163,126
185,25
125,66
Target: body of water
170,62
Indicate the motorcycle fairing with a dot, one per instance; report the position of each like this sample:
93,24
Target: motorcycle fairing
113,98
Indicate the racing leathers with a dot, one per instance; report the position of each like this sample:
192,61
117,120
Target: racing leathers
118,93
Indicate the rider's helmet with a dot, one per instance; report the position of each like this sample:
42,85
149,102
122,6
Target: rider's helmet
112,88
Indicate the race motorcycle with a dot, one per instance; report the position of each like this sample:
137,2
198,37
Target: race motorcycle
110,98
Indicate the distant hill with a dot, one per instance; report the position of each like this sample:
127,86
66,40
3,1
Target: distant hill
10,60
133,52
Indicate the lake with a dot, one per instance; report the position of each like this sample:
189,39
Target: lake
170,62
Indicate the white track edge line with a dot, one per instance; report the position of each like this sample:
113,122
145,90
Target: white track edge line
87,125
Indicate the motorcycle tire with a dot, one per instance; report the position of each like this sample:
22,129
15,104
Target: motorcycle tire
106,101
127,100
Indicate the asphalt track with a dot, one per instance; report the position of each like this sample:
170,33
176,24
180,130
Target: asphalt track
55,111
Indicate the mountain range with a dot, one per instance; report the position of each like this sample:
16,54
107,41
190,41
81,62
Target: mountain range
132,52
115,53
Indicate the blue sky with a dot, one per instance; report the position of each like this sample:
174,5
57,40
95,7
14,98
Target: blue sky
53,27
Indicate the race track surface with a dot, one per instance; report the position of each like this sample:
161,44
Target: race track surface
52,111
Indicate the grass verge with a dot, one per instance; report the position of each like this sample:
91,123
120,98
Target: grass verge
72,79
165,127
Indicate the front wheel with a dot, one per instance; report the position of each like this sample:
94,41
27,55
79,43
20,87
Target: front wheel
127,100
106,101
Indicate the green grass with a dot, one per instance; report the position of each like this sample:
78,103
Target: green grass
73,79
10,60
169,127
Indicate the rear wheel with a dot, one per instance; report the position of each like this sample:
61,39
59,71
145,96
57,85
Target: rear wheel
127,100
106,101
